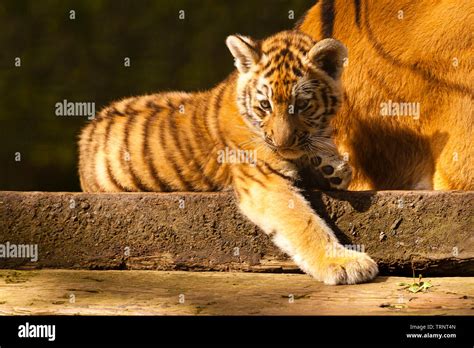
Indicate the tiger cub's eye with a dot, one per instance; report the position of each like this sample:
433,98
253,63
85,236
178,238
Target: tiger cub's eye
302,104
265,104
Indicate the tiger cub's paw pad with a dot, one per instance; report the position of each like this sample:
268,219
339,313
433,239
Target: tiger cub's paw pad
339,175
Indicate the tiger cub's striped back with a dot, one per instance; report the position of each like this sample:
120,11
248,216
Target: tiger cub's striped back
158,142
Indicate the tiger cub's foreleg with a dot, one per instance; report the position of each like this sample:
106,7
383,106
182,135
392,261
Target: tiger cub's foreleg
276,206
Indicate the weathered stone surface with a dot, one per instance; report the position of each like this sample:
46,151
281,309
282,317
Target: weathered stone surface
205,231
66,292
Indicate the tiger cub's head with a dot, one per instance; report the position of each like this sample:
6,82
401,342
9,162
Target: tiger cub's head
288,89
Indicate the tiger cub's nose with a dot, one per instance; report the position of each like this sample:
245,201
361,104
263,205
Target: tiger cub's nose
283,139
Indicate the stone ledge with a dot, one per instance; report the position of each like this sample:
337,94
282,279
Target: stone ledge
432,230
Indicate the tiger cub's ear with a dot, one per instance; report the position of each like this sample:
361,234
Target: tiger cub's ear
328,55
246,51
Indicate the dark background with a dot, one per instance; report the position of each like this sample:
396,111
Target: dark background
82,60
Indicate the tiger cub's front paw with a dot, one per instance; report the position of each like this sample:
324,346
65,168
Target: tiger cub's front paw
347,267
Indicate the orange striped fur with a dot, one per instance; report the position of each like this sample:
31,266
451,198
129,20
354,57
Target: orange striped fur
275,109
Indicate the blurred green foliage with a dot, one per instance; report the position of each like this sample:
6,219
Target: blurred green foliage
83,60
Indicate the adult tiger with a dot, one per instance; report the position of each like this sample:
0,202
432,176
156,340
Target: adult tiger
404,55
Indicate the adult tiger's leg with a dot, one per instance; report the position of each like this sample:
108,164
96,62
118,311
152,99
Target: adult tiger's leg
453,146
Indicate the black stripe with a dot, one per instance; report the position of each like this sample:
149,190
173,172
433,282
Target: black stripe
253,178
272,49
217,108
308,224
255,118
83,158
189,148
324,96
270,72
257,110
176,139
111,175
288,41
328,14
250,177
204,113
276,172
112,111
169,104
241,178
285,53
208,132
426,75
247,192
207,120
302,50
260,170
307,40
357,12
279,56
334,102
95,146
177,171
129,110
146,152
196,126
248,101
128,164
216,117
150,104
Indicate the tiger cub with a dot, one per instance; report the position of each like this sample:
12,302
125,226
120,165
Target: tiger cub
253,133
